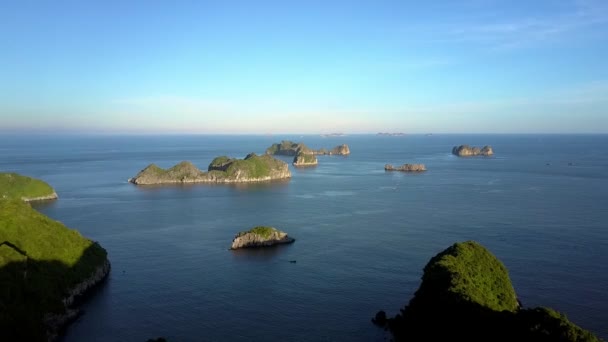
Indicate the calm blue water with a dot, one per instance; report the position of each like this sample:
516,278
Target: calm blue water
363,235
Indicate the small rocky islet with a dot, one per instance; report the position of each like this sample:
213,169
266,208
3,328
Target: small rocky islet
466,295
252,168
469,151
406,167
260,236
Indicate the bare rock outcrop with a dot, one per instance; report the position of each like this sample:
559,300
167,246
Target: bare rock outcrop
468,151
260,237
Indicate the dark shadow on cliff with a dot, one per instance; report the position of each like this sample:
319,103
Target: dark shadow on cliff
30,289
473,322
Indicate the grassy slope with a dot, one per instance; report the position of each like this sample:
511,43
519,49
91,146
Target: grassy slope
467,271
57,259
466,294
15,186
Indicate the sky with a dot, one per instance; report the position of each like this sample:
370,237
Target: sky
259,67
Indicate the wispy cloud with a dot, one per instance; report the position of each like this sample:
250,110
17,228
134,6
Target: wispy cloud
519,32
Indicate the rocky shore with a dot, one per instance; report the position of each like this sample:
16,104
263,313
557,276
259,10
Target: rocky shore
405,167
58,322
40,198
260,237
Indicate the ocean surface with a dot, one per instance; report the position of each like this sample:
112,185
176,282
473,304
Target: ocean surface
363,235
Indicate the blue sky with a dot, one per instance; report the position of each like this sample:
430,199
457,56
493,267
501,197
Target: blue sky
304,66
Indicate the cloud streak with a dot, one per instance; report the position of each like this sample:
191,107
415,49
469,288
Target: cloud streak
521,32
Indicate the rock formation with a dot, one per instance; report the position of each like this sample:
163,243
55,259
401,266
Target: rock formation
466,295
405,167
468,151
341,150
305,160
16,186
252,168
260,237
290,148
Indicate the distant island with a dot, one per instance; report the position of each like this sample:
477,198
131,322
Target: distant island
466,295
305,160
325,135
44,267
261,236
398,134
468,151
252,168
290,148
405,167
16,186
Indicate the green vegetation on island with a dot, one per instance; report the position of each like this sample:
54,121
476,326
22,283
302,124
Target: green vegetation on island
290,148
466,295
15,186
43,267
263,231
252,168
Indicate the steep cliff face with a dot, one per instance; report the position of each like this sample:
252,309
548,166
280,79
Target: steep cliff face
260,237
468,151
342,150
305,160
406,167
252,168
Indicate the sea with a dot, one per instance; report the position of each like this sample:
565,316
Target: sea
363,235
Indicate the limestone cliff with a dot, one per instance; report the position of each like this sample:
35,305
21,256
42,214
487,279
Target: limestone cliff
305,160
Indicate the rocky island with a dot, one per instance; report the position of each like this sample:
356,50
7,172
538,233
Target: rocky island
290,148
466,295
305,160
260,236
44,268
252,168
405,167
389,134
16,186
468,151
